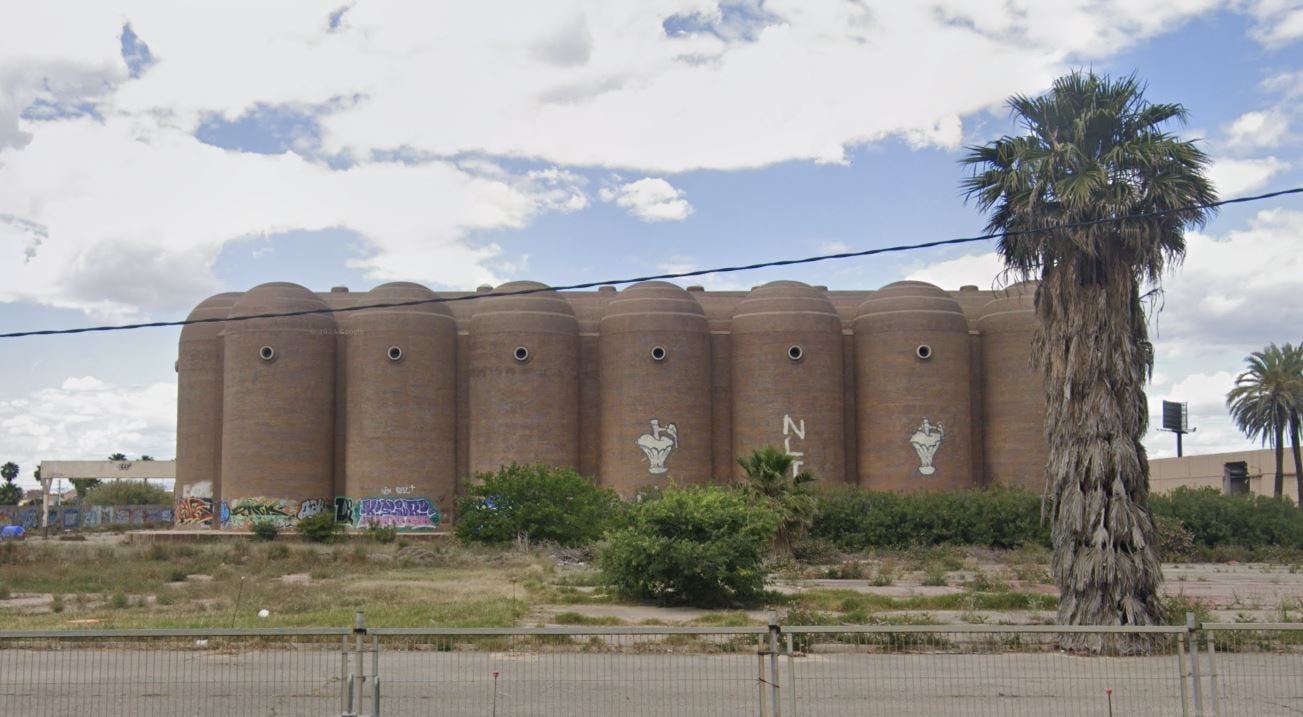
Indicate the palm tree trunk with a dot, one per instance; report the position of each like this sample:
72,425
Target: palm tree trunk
1280,460
1294,430
1092,344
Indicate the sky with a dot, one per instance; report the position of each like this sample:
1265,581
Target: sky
153,153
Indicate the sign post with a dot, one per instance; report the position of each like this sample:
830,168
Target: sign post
1176,419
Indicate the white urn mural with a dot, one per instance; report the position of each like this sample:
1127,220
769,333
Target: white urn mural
926,439
658,444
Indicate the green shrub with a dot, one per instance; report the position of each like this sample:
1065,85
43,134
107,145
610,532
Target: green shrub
1174,541
1216,520
381,533
318,528
263,530
535,503
702,546
998,517
127,492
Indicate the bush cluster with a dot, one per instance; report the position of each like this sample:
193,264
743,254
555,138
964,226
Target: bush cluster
703,546
319,527
535,503
127,492
1215,520
998,517
265,529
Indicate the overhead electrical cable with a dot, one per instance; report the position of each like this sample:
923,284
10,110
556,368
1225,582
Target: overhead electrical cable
654,277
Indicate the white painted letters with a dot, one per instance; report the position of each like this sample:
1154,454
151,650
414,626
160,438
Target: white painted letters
793,428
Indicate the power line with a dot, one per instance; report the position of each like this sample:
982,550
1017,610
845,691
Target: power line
654,277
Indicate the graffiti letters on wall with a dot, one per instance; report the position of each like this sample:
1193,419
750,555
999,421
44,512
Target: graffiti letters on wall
386,512
380,511
195,505
242,513
71,517
793,428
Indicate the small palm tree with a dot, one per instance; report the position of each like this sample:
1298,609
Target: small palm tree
1094,150
769,476
1267,400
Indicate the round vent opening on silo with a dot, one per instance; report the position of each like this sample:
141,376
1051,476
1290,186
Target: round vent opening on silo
658,353
521,353
923,351
795,352
266,353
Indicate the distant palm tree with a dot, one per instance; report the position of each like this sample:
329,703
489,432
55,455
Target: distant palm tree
769,476
1267,400
1094,150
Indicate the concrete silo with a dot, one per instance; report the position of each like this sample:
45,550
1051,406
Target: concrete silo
787,376
199,416
914,407
277,408
400,399
524,379
1013,401
654,350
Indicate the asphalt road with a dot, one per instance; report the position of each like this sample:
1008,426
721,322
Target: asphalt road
307,682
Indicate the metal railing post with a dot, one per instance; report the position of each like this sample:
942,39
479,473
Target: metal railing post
359,666
1180,673
760,676
1196,685
345,679
775,693
791,676
1212,674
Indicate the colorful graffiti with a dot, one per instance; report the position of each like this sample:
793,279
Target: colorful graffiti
194,511
72,517
28,516
194,507
399,513
242,513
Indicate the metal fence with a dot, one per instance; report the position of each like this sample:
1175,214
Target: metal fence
775,671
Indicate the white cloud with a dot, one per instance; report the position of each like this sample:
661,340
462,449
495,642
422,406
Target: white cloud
1279,22
1234,177
985,270
134,213
106,164
1260,128
650,199
88,418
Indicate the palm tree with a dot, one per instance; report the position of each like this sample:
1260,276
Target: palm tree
1267,400
770,477
1094,151
10,492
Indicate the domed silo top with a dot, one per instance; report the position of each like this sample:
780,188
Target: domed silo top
275,298
214,307
395,293
654,297
907,304
506,299
1014,304
782,297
